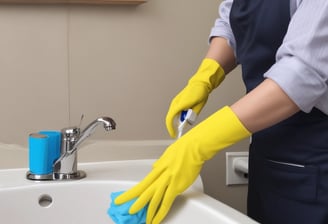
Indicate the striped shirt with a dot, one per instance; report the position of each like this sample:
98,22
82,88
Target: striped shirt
301,67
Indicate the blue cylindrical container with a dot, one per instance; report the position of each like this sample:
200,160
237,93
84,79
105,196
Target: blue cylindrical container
54,144
39,154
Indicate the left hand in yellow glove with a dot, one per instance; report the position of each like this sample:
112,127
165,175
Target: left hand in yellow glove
194,96
181,163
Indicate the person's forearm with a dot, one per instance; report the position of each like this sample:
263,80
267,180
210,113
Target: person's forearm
263,107
220,51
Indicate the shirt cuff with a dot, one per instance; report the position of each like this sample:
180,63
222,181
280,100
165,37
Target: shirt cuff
301,83
222,29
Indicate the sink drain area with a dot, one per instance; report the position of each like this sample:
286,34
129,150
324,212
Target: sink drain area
45,201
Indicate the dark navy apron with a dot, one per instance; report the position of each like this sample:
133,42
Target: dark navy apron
288,163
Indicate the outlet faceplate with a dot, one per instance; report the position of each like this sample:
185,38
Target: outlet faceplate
233,175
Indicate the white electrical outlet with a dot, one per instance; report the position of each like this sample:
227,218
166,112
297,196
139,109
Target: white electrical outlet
236,168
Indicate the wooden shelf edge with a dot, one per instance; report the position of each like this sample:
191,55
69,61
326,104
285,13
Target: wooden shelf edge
84,2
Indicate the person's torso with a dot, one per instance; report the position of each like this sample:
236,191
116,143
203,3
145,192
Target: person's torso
259,27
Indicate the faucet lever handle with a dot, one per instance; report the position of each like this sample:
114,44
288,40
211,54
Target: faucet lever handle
81,120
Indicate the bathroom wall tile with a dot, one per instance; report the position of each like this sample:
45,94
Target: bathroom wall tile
33,68
128,62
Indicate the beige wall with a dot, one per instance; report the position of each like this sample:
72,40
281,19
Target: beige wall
57,62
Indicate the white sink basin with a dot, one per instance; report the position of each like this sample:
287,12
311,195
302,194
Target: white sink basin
87,200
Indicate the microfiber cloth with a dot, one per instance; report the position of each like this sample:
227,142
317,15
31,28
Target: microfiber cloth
120,213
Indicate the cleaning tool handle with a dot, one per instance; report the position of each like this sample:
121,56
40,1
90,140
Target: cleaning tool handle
189,116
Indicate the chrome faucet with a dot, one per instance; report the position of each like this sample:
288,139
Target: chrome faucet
65,167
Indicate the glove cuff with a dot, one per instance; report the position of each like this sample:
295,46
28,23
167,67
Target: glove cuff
220,130
209,73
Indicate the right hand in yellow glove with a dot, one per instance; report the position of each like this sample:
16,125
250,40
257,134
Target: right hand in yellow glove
181,163
194,96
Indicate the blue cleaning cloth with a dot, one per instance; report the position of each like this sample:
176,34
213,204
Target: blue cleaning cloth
120,213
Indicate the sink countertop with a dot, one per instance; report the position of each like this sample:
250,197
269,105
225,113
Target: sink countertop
125,171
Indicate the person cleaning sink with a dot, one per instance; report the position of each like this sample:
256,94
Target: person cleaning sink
282,47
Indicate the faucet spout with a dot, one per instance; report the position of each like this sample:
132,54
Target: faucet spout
108,124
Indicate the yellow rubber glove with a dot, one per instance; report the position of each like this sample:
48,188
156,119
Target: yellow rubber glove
194,96
180,164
